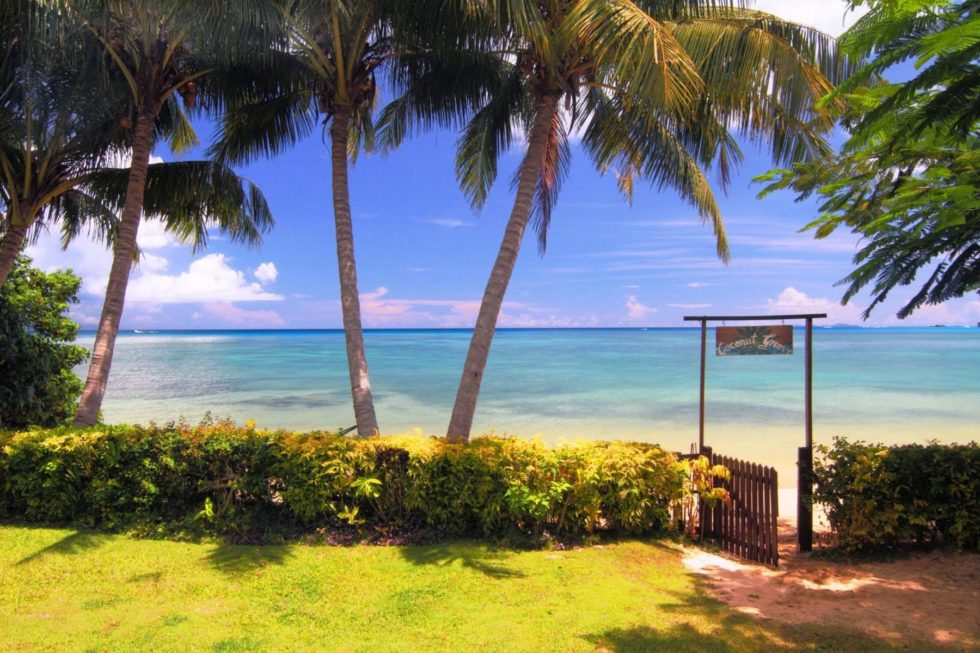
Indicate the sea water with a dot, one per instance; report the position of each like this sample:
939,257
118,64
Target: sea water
894,385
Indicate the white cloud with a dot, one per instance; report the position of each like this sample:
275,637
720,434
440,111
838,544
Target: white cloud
208,279
654,252
378,309
699,284
152,234
631,286
125,158
525,320
830,16
575,133
266,273
87,258
636,310
838,242
568,270
792,300
960,312
153,263
233,315
450,223
83,317
91,259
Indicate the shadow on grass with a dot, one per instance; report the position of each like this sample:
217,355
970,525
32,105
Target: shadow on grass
149,577
235,559
730,638
721,631
73,544
473,556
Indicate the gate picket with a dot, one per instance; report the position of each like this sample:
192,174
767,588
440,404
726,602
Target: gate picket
747,526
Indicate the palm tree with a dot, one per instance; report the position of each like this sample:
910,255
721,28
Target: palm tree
52,132
161,49
326,72
657,88
52,162
57,176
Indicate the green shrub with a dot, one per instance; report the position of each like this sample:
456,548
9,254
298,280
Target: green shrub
878,496
244,484
460,489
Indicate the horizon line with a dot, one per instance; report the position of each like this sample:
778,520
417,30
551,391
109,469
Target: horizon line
550,328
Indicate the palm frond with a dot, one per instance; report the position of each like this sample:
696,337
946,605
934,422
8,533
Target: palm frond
766,76
663,153
79,210
637,54
264,128
436,90
554,169
488,135
192,197
179,131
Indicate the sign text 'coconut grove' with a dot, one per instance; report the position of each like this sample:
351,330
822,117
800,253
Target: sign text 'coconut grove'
753,340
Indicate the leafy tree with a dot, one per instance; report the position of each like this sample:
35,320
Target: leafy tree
906,179
37,384
658,89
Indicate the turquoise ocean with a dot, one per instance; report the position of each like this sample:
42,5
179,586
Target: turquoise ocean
893,385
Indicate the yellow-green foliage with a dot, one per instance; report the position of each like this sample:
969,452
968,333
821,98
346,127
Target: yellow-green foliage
247,484
879,496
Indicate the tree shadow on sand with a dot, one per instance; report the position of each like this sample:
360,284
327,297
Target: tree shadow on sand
480,558
72,544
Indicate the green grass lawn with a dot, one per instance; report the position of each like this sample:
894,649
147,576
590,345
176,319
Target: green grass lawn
75,590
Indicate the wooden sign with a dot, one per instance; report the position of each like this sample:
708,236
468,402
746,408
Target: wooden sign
753,340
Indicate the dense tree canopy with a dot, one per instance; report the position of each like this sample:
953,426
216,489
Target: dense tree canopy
906,180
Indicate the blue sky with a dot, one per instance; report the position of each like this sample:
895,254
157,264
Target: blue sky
424,255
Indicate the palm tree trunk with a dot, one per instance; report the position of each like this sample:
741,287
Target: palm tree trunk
10,246
122,264
350,302
461,421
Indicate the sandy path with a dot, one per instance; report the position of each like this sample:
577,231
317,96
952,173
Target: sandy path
931,596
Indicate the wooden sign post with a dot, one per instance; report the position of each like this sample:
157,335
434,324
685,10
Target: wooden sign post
766,340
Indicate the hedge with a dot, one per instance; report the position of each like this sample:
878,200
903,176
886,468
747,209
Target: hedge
247,485
890,496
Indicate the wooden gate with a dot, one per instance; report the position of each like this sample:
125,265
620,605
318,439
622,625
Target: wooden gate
747,526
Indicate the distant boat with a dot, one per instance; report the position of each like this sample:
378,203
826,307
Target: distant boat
137,331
